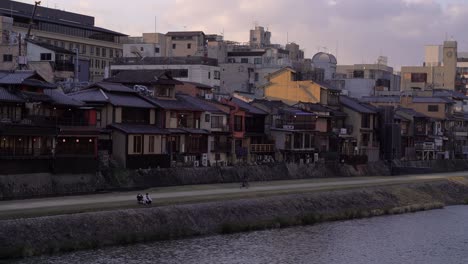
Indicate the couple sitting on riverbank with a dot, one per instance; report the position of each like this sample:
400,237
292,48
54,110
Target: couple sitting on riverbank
144,199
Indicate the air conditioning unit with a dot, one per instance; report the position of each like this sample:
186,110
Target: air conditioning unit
186,159
196,163
205,159
343,131
209,96
288,127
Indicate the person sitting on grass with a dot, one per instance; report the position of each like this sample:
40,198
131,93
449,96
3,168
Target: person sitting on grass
148,199
140,198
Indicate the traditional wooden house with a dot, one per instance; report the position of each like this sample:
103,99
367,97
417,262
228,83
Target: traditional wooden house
44,126
127,122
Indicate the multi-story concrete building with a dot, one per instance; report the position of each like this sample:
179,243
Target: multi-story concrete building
63,29
185,43
438,71
259,37
191,69
360,80
295,53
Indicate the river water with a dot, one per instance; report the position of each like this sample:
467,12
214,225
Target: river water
437,236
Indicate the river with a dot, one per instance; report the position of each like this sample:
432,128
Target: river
429,237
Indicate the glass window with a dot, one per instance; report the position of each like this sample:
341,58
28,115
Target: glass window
136,144
257,60
104,52
418,77
244,60
216,121
98,51
173,46
189,45
7,57
46,56
111,53
217,75
91,50
151,144
238,123
433,108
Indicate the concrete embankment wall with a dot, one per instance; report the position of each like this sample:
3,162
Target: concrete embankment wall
26,237
33,185
44,184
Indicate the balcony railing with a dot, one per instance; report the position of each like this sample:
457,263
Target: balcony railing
295,125
424,146
24,152
262,148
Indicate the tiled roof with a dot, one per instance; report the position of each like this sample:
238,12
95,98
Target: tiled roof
139,129
410,112
112,87
36,97
60,98
200,103
250,108
6,96
356,105
450,93
128,100
142,77
89,96
314,107
15,77
420,99
270,103
174,104
381,99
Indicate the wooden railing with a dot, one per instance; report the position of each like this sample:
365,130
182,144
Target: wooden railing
262,148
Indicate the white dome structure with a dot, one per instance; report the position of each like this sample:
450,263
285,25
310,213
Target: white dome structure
323,57
327,62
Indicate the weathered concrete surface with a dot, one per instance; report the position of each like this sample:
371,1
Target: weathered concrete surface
26,237
44,184
41,184
33,185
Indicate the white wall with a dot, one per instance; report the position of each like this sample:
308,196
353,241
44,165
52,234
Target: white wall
34,52
148,50
196,73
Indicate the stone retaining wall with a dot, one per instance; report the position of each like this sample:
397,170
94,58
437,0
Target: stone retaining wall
43,235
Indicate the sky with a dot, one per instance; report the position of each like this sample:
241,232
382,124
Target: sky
356,31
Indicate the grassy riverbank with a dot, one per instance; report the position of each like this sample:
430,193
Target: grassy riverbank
51,234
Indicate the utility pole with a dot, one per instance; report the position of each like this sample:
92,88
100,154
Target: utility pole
31,20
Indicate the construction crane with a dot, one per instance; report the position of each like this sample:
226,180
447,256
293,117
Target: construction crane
31,20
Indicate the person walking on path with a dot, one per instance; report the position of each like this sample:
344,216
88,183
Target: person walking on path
245,181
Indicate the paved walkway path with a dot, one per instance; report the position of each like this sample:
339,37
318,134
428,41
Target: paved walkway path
220,190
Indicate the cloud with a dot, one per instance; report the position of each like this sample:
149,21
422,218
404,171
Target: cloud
360,30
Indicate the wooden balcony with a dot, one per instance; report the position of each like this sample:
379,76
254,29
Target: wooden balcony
262,148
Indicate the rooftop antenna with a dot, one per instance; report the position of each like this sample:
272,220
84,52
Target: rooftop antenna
155,24
287,37
336,50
